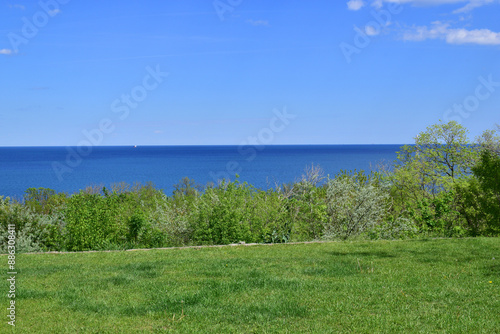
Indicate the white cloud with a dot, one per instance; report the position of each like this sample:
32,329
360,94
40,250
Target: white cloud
422,33
423,2
355,4
471,5
6,52
453,36
371,31
468,5
477,36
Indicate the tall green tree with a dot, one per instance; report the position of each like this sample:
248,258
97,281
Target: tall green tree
479,196
425,173
490,140
487,172
441,154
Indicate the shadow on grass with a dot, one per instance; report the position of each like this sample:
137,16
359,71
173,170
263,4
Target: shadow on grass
374,254
492,270
330,269
31,294
143,269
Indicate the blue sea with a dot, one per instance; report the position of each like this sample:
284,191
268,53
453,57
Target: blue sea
69,169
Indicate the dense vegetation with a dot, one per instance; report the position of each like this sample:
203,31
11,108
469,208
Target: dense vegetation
443,186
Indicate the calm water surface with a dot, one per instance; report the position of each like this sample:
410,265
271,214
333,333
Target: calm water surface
64,169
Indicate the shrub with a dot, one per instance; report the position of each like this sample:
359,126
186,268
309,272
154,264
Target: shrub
44,200
399,228
307,205
355,204
270,218
90,222
224,215
187,188
167,224
135,224
15,213
479,196
437,214
24,220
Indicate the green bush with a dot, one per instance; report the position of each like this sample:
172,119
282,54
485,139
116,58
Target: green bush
90,222
487,172
234,212
438,215
50,232
135,225
479,196
222,215
24,220
307,206
15,213
167,224
399,228
356,203
43,200
270,219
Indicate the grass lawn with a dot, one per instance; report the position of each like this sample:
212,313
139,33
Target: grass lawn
434,286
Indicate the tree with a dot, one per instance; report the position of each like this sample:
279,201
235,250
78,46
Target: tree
487,172
187,187
442,155
479,195
43,200
489,140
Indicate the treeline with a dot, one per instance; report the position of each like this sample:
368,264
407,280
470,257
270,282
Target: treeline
443,186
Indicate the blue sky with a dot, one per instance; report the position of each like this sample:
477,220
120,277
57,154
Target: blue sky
350,72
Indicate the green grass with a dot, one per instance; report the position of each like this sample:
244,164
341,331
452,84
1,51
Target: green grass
434,286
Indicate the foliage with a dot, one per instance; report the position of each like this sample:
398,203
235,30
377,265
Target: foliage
490,140
307,205
224,215
49,231
25,241
399,228
14,213
441,154
427,178
90,221
43,200
488,173
471,202
480,196
270,209
437,215
188,188
135,225
355,204
167,224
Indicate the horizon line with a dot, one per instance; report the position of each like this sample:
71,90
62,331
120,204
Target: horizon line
196,145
